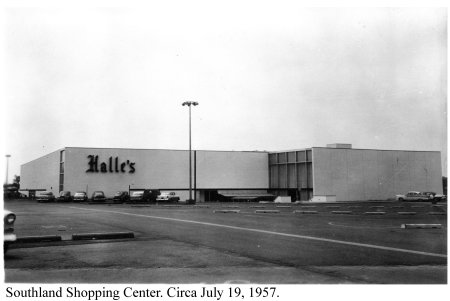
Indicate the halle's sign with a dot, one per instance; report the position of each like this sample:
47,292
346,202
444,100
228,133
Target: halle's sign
111,166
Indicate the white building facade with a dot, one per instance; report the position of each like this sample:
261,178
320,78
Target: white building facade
336,172
340,173
110,170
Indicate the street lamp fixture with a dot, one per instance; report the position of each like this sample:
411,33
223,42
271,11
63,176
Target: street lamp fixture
189,104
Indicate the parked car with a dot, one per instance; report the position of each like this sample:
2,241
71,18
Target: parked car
64,196
80,196
121,197
8,229
45,196
412,196
434,197
167,197
144,196
98,196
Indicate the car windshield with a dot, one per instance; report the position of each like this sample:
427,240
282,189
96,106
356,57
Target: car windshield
137,193
80,194
63,193
98,193
119,193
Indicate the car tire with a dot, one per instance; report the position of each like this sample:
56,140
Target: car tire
401,199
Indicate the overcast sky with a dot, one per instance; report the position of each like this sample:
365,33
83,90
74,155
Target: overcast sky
266,77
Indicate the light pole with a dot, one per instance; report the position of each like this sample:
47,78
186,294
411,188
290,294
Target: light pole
189,104
7,167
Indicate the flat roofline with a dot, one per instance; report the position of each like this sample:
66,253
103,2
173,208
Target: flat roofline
48,154
343,148
167,149
291,150
382,150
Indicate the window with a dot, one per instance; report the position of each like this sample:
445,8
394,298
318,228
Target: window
273,159
291,157
301,156
308,155
62,157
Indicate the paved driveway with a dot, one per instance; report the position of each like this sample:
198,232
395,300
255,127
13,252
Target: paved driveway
192,244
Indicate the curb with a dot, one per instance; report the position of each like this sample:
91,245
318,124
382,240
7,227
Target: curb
375,213
333,207
113,235
421,226
376,207
306,211
230,206
267,211
341,212
437,213
30,239
407,213
283,206
226,211
308,206
171,205
257,207
201,206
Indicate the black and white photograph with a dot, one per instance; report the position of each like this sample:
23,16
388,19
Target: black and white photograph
249,144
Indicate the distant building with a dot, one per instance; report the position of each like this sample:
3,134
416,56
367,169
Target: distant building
336,172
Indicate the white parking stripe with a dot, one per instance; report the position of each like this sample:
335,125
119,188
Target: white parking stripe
342,242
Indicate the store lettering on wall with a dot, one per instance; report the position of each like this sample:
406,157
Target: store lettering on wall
112,165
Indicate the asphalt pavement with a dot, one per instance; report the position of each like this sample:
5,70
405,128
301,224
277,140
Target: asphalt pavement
231,243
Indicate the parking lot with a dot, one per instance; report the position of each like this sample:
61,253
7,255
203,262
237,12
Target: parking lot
231,243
